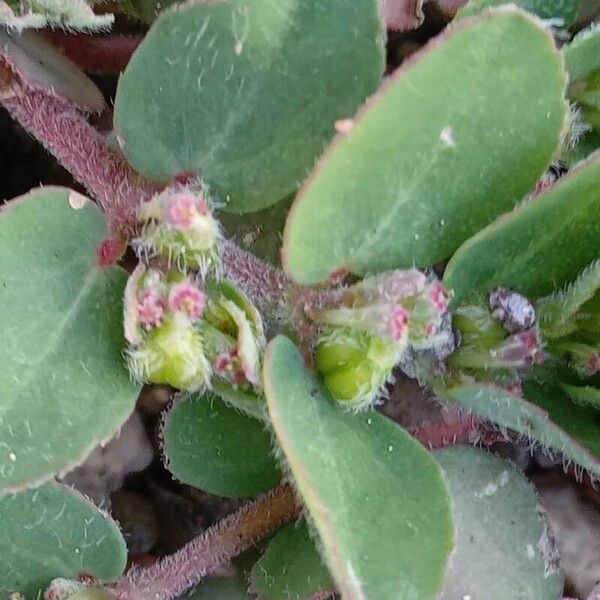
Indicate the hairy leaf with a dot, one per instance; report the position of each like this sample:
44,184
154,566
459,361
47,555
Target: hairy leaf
218,449
425,164
561,12
375,496
554,311
246,93
69,14
64,386
584,395
53,532
582,55
546,417
291,567
537,248
496,522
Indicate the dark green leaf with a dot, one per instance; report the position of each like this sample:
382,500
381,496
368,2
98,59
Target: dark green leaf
218,449
538,247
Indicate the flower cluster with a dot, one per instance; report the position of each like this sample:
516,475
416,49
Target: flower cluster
182,325
178,227
366,333
162,326
498,342
182,335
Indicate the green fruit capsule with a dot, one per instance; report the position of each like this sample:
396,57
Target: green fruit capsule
330,357
171,354
355,365
351,384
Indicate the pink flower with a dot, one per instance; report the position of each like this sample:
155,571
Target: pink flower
429,330
529,339
514,387
187,298
439,298
228,366
398,322
184,208
592,363
150,309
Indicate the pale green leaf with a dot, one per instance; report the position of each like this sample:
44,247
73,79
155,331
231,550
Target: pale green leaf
64,385
374,494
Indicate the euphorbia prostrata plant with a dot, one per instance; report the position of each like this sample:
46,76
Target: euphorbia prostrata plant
444,226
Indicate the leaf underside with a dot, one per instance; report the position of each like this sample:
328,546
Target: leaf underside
496,521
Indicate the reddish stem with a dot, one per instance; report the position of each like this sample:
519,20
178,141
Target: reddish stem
104,53
454,427
265,284
173,575
64,132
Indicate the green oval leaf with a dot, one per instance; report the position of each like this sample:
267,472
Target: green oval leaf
374,494
425,164
497,522
64,386
291,567
584,395
582,55
538,247
246,92
52,532
218,449
562,12
547,417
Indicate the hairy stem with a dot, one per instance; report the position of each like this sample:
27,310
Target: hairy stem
64,132
99,53
265,284
175,574
454,427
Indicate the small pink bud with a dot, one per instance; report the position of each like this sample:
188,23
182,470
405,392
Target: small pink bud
529,339
514,387
520,349
592,364
222,362
188,299
182,211
151,309
109,252
399,319
429,330
439,298
228,366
